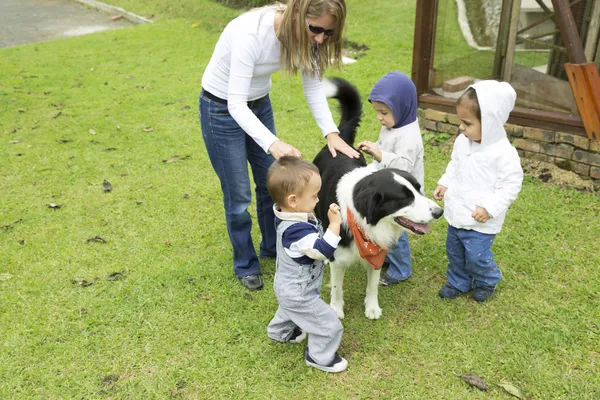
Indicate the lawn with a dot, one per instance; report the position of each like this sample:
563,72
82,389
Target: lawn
129,293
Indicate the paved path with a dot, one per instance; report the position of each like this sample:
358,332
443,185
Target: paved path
31,21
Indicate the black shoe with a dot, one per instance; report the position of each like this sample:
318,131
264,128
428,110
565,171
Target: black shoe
338,364
449,292
297,336
483,293
251,282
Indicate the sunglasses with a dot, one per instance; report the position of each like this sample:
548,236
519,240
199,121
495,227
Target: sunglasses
317,30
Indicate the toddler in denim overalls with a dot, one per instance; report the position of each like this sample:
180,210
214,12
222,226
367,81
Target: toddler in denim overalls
302,249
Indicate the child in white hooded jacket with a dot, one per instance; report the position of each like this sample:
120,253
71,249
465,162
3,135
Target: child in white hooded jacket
481,181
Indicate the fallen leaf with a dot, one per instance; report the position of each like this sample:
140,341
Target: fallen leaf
5,277
10,225
55,206
14,142
110,149
108,379
22,242
98,239
186,196
82,282
116,17
167,243
93,132
511,389
106,186
474,380
63,141
114,276
545,177
195,25
57,115
171,159
149,129
185,108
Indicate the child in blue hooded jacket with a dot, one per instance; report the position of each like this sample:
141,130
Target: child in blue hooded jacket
400,145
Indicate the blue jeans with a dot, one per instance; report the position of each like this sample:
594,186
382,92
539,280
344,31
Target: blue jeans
470,259
230,151
398,257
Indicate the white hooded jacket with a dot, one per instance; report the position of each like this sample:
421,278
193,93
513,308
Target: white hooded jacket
486,174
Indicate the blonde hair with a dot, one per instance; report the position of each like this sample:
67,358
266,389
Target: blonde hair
289,175
297,51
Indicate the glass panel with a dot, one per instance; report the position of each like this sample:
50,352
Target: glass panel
526,51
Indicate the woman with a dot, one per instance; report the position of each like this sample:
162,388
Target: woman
236,115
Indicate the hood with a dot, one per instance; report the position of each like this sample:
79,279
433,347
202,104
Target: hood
399,93
496,101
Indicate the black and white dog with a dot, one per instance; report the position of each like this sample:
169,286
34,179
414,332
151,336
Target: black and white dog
382,203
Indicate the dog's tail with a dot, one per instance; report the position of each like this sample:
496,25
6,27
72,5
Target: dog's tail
350,106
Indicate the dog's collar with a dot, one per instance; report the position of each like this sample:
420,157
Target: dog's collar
371,252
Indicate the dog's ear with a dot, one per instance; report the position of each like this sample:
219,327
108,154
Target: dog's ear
368,204
374,213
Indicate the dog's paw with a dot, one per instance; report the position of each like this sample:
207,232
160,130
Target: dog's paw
373,312
339,309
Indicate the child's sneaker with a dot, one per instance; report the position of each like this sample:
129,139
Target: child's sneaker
449,292
297,336
483,293
386,280
338,364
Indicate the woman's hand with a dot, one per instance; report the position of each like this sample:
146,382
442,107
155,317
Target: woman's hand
371,148
280,148
335,142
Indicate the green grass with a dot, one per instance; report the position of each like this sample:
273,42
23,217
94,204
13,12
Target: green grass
178,324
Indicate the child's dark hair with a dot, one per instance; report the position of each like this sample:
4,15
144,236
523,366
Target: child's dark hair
471,94
286,175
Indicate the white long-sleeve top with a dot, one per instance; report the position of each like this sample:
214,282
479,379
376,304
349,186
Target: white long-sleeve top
245,56
402,148
486,174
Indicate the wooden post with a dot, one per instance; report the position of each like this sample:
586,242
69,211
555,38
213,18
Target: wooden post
502,41
511,42
568,28
424,44
592,36
583,76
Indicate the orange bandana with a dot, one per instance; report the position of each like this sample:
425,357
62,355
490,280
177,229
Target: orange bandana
371,252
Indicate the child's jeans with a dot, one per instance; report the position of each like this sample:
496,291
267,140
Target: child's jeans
398,257
470,259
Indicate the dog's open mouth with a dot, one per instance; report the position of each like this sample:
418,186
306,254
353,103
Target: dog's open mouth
417,229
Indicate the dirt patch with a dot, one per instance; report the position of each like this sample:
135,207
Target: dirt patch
553,175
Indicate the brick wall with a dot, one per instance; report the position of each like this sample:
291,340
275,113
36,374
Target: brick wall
566,150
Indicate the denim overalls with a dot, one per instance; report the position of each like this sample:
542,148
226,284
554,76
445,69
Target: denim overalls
298,291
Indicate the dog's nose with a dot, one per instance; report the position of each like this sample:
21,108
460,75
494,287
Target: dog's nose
437,212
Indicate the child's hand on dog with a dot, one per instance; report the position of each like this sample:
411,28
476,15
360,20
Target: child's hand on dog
370,148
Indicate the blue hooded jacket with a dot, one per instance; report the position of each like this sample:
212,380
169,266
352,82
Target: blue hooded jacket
397,91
